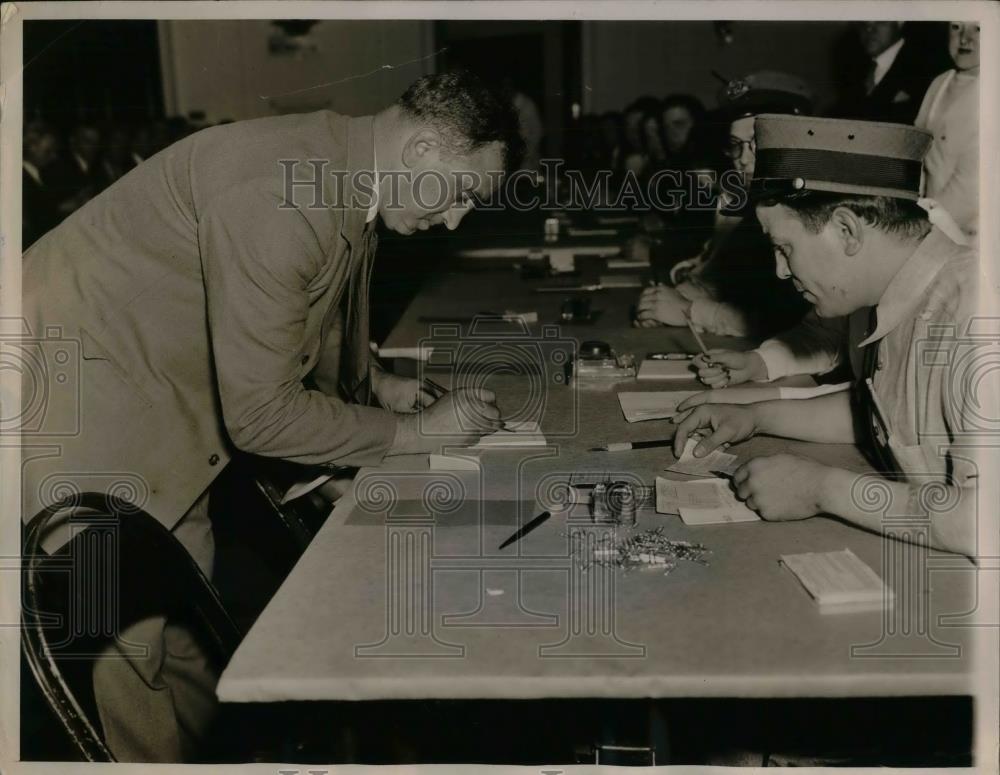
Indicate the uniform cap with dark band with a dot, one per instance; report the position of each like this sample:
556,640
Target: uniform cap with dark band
798,153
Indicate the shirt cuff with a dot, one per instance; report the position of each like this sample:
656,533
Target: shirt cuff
778,359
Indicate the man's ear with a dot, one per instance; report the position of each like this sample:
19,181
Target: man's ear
850,230
419,146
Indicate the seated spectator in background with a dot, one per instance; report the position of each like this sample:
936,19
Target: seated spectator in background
682,118
116,159
950,112
532,130
634,156
75,177
730,288
38,199
888,76
863,249
652,142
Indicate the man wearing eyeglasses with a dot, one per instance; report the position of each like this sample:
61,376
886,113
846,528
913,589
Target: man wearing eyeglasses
730,288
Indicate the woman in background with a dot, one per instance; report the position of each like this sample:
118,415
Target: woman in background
950,112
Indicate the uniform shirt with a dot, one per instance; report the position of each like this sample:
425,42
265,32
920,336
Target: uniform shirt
924,337
950,112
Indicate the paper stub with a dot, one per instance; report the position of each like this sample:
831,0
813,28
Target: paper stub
518,434
652,405
702,502
656,369
839,582
716,460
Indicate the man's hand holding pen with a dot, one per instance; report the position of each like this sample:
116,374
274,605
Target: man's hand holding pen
438,417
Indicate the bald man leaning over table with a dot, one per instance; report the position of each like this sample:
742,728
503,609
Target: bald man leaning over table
203,288
838,200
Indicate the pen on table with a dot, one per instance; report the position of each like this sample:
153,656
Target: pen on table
526,528
625,446
670,356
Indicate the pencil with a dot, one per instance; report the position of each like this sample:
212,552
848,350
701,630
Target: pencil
625,446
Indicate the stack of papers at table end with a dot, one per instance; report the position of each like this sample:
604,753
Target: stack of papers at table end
839,582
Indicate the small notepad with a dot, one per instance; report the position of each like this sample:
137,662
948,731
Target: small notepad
652,405
839,582
656,369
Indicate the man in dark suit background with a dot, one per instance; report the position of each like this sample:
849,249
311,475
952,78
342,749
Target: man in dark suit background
75,177
38,201
886,68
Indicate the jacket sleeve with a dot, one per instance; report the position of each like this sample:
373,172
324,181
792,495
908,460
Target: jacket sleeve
258,260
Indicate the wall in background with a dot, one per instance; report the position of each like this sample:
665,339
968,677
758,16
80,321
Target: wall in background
226,69
625,60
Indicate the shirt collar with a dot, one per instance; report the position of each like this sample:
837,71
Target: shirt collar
358,166
884,60
32,170
906,289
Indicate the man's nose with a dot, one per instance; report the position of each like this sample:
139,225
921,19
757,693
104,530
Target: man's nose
782,267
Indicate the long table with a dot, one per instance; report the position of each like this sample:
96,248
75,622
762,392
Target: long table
404,593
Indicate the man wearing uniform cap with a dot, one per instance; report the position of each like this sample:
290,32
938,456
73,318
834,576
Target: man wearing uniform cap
840,203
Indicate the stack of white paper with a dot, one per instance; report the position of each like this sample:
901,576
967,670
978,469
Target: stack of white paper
653,405
702,502
839,582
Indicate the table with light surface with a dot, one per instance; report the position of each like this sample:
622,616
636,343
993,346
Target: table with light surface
404,593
